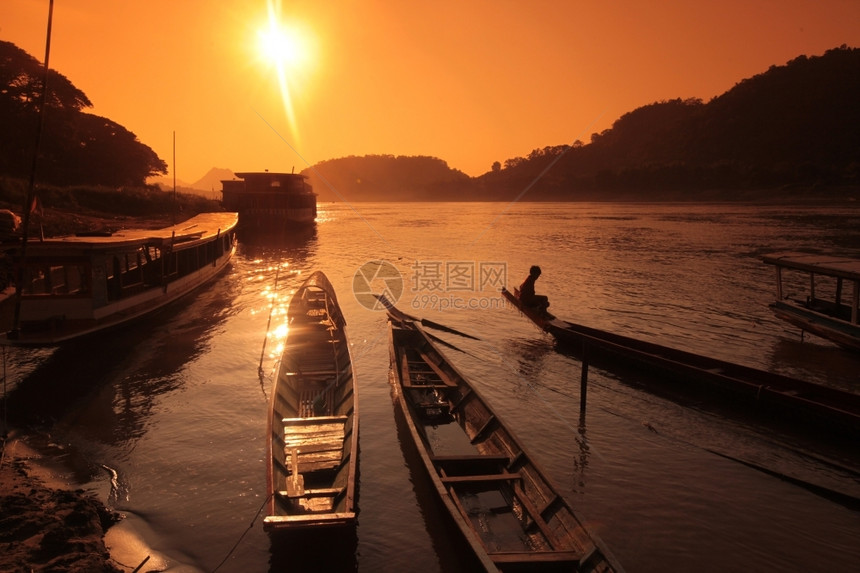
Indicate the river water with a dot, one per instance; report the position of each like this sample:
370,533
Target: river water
174,405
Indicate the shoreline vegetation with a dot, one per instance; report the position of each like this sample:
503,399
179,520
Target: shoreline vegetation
787,133
66,211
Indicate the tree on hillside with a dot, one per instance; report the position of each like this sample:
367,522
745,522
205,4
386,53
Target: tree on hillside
77,147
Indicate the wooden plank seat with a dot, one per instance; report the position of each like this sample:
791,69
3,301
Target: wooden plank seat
317,442
511,557
427,386
320,492
487,478
501,458
470,464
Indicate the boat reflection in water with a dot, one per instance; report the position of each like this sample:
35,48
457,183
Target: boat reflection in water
259,242
126,368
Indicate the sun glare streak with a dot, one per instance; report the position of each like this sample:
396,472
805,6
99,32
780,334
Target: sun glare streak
287,49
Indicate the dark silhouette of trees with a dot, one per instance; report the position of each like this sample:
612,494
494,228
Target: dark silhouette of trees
76,147
793,126
387,177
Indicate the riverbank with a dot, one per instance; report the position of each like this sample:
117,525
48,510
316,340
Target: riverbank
46,524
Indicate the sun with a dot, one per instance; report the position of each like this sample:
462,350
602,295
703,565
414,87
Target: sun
286,48
282,46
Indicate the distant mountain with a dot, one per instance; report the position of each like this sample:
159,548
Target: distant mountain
386,177
208,186
793,130
212,180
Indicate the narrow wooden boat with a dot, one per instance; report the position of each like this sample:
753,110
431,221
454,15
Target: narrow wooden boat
778,396
77,285
312,431
822,311
502,503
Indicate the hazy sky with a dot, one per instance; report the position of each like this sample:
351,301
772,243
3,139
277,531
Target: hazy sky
470,82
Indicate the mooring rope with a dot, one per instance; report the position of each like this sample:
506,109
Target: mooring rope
238,541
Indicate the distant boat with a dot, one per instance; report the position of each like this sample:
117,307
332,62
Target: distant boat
78,285
769,393
830,309
501,501
312,430
270,201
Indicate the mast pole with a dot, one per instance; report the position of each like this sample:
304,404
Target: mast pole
30,204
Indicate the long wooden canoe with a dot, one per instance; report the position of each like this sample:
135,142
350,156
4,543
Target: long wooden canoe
502,503
312,433
798,401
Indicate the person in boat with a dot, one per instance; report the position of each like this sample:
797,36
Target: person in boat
527,292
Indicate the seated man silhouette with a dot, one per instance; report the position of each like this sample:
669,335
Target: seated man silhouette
527,292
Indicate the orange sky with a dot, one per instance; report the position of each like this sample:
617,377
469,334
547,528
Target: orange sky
470,82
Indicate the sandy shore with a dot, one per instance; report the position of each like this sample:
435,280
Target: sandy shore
46,524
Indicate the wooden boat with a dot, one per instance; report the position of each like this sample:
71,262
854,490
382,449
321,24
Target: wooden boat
78,285
312,432
272,202
822,311
799,401
502,503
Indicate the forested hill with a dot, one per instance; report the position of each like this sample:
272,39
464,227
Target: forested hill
794,129
386,177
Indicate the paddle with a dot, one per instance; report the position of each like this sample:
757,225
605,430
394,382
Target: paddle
400,315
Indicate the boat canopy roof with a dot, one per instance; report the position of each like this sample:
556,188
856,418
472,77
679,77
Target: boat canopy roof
200,227
841,267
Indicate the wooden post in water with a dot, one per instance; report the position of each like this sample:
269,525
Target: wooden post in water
583,381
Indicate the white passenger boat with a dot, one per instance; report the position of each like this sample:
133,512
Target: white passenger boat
71,286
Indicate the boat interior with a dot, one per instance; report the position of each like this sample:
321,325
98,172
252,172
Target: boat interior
490,480
316,403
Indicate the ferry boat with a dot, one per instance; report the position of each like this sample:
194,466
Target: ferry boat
78,285
829,309
270,201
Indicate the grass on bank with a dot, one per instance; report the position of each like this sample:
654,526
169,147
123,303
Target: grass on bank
63,210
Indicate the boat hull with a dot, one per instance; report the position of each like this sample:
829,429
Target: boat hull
780,397
312,429
841,332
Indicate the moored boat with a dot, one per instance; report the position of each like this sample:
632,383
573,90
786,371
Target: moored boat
778,397
828,309
503,504
78,285
270,202
312,429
